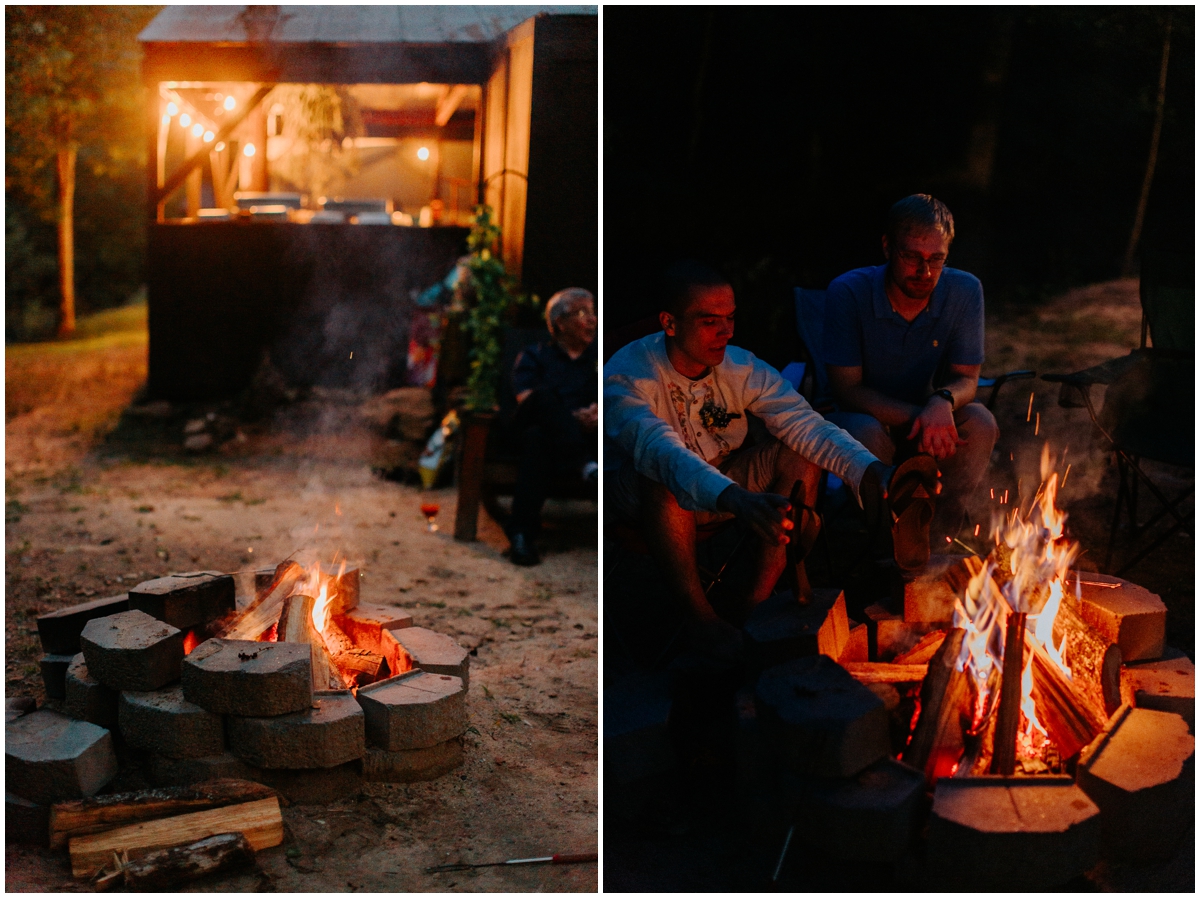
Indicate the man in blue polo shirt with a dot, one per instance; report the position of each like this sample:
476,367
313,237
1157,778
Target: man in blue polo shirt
904,345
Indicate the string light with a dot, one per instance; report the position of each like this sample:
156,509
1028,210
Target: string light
423,153
197,129
185,120
172,109
230,102
249,150
208,136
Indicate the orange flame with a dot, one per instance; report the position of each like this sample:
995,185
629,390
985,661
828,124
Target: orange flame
190,641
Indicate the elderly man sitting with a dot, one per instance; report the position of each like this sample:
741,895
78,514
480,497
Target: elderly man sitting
556,388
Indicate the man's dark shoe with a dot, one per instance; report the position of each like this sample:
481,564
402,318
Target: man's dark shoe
523,551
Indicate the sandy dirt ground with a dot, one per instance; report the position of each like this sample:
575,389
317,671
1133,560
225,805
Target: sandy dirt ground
87,518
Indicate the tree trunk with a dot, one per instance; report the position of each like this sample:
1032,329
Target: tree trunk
1152,160
66,240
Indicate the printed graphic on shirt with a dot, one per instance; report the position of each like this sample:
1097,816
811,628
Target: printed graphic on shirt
681,403
714,418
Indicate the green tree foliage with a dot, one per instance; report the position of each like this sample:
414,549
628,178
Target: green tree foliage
495,300
74,108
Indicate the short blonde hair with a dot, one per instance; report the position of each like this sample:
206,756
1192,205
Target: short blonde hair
562,303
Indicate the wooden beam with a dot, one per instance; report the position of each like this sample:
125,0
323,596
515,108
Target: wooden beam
196,158
260,822
448,104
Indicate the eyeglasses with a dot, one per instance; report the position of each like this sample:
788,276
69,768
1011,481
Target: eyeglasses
915,260
582,312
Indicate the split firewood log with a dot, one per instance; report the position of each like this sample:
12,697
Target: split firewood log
259,821
885,672
1070,718
264,611
91,815
160,870
1095,663
364,666
937,740
923,650
295,625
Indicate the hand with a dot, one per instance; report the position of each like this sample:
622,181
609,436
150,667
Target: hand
935,426
761,512
587,416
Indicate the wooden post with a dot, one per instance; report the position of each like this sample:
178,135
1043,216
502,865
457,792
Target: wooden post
1008,719
470,473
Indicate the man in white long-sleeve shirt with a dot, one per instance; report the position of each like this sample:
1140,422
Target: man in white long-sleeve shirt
675,408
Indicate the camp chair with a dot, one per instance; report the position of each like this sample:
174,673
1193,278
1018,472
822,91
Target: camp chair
1148,410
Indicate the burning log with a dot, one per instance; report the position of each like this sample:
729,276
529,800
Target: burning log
1069,718
260,822
90,815
937,740
160,870
977,757
1095,663
264,611
364,666
295,625
1008,713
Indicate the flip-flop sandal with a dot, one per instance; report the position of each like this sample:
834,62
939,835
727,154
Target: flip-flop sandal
911,501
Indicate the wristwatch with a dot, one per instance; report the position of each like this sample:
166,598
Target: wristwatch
945,394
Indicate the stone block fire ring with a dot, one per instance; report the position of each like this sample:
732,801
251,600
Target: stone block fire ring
1019,723
302,690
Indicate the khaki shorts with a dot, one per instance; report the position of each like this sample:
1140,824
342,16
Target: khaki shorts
751,467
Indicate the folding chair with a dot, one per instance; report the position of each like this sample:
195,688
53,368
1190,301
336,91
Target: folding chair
1148,411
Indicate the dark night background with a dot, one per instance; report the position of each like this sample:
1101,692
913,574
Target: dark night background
770,142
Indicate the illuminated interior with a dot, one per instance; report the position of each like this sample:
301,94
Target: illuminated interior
321,152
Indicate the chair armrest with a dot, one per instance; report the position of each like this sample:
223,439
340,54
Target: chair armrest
997,382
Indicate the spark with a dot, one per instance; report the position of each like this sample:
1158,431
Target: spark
964,545
977,530
1065,473
1038,424
993,492
1029,412
1004,501
351,353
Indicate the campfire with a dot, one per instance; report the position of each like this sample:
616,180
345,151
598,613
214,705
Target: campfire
303,693
1037,702
1029,675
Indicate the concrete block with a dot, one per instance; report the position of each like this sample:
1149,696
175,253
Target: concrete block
417,709
365,623
868,817
164,771
54,674
780,629
319,785
1010,834
25,823
929,597
894,637
1141,773
637,742
416,647
166,723
1168,684
89,699
1129,615
857,645
249,679
50,757
827,723
186,601
415,766
132,650
330,733
22,704
59,630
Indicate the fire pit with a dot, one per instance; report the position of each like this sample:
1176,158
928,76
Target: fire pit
1033,699
304,689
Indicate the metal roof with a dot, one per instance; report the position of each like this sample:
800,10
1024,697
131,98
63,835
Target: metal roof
342,24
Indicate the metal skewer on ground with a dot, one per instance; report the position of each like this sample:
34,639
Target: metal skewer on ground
552,859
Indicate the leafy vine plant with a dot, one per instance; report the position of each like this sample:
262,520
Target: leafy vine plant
495,300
